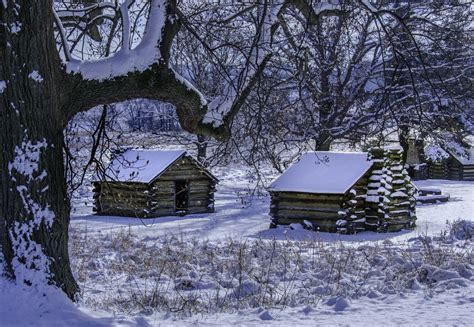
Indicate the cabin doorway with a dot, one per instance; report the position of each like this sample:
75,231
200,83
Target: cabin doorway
181,196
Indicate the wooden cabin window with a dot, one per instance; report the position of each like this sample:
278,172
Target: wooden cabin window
181,195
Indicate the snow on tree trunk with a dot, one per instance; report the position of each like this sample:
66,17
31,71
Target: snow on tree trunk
34,207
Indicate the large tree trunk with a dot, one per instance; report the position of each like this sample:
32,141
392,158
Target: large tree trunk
403,137
34,206
202,142
323,143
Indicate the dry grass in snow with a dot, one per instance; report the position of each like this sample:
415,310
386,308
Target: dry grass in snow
123,272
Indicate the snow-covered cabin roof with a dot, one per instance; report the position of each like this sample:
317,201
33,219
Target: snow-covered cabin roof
143,166
466,158
323,172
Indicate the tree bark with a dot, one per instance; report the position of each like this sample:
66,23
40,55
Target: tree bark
201,144
324,143
34,209
403,138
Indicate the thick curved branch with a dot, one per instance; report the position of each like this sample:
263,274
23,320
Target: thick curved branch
144,72
312,12
157,82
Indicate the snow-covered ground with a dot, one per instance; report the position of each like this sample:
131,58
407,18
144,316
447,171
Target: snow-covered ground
241,221
432,218
236,218
228,268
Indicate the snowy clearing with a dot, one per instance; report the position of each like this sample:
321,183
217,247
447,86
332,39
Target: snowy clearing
301,295
236,218
192,280
228,268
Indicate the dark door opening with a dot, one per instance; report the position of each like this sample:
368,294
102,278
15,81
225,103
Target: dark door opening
181,196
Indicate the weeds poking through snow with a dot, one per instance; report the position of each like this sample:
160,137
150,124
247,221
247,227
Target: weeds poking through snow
124,272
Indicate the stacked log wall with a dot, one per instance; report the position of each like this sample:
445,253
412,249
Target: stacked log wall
376,189
467,173
455,169
121,199
460,172
321,210
451,169
201,188
162,198
353,216
402,209
396,200
438,170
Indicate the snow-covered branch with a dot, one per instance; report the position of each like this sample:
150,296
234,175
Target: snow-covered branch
223,108
126,61
62,34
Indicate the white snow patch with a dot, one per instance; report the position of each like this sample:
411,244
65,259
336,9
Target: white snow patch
15,27
323,172
35,76
217,109
398,194
29,262
435,153
190,87
141,165
21,305
3,86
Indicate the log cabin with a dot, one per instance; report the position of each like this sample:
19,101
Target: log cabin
454,166
154,183
324,189
345,192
